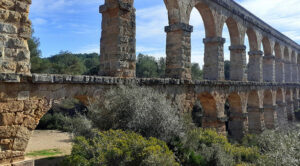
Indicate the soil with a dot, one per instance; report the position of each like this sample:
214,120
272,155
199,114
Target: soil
49,139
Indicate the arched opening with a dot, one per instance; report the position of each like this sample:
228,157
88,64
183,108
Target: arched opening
287,65
290,105
254,71
197,114
236,119
210,115
281,108
269,110
235,63
197,46
279,63
150,23
255,116
268,61
294,67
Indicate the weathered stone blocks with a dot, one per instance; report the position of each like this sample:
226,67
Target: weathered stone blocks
117,53
14,31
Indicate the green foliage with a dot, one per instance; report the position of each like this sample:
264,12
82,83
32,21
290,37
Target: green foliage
278,148
139,109
197,73
149,67
210,148
116,147
48,153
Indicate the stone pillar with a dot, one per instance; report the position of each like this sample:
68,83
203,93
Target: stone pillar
279,71
238,63
214,58
178,61
15,30
281,114
288,71
255,67
237,125
294,72
256,120
118,43
269,68
290,111
270,117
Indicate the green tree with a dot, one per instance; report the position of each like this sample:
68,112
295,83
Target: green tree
146,66
66,63
197,73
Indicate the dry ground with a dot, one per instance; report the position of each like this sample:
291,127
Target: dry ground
49,139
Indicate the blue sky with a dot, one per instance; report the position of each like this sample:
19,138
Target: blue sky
75,25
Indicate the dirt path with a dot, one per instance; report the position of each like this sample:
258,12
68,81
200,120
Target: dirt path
49,139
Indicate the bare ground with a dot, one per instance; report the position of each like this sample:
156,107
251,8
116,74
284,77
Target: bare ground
49,139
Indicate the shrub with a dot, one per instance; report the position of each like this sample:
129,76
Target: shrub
138,109
278,148
116,147
214,149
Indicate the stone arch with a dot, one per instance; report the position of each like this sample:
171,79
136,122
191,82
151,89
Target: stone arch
236,117
234,31
281,107
287,65
270,115
210,114
267,46
279,65
173,11
290,104
287,56
207,17
278,51
294,67
253,40
255,116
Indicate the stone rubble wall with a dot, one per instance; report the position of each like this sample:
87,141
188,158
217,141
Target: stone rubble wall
15,29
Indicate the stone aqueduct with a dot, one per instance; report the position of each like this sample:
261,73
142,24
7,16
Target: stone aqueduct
261,95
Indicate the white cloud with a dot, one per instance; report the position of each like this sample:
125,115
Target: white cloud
283,15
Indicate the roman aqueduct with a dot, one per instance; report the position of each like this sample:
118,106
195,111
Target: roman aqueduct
261,95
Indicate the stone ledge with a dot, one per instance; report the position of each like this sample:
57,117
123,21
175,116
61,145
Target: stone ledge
237,47
9,78
214,40
179,26
85,79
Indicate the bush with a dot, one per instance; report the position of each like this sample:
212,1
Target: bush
278,148
138,109
210,148
116,147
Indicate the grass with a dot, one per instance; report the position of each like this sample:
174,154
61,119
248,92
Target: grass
48,152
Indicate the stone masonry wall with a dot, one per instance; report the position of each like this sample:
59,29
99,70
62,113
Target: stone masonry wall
14,32
117,54
24,100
